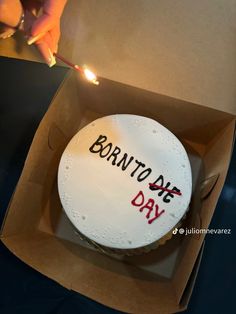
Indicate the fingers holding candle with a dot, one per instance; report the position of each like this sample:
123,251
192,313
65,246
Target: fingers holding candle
55,36
45,46
42,30
45,30
41,26
45,38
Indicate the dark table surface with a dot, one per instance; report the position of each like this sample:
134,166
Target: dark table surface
26,90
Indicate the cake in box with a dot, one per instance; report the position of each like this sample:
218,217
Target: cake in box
125,182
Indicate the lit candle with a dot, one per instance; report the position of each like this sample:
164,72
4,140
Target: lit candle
89,75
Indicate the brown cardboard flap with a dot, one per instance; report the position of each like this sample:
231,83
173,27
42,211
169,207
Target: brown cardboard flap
208,185
56,137
27,198
190,285
217,147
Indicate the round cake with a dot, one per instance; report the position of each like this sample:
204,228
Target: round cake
125,182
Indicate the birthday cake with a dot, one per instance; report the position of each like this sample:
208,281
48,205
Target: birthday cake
125,182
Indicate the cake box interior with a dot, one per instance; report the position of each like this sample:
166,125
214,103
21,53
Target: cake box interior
35,227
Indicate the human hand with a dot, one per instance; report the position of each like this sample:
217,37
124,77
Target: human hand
10,14
41,23
44,30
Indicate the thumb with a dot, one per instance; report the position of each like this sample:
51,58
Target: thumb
42,25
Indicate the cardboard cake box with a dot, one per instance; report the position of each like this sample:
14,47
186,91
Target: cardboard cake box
35,227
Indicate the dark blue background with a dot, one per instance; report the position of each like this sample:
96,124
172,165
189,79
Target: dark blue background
26,89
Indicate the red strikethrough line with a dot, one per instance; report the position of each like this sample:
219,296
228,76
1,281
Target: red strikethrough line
164,189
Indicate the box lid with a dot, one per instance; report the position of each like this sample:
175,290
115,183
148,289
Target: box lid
184,49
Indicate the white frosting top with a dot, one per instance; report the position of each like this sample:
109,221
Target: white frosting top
104,176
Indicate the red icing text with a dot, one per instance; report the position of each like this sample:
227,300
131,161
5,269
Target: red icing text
139,201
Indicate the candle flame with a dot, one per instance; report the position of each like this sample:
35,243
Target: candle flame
90,76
